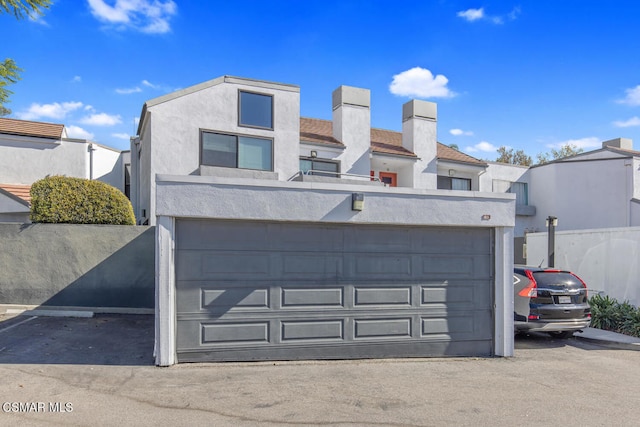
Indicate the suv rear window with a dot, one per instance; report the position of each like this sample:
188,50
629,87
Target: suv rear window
550,279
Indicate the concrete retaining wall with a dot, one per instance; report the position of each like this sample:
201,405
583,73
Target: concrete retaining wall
608,260
77,265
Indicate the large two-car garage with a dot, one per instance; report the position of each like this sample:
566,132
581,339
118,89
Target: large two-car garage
288,270
270,290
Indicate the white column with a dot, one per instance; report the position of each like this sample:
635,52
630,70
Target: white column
503,303
165,322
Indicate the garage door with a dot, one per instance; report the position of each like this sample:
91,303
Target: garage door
283,291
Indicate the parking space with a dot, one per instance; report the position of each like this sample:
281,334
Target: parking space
108,379
105,339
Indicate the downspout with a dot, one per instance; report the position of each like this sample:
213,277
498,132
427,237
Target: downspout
91,150
629,184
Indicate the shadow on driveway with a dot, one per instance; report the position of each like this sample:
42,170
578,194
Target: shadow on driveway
106,339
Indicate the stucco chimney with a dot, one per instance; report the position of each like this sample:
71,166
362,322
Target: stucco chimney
624,143
419,135
352,127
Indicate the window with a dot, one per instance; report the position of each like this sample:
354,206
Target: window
234,151
520,189
318,166
255,110
449,183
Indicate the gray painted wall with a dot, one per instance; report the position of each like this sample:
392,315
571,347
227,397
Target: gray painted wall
77,265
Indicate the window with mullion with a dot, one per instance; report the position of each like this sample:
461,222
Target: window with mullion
236,151
318,166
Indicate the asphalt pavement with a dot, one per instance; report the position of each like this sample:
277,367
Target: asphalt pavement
99,371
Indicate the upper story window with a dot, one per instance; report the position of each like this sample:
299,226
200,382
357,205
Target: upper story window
315,166
449,183
520,189
255,110
236,151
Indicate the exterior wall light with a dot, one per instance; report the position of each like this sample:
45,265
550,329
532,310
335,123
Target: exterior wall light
452,172
357,201
314,154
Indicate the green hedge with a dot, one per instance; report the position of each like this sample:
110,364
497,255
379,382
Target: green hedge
609,314
61,199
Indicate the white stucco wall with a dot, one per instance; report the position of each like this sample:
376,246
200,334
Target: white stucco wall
608,260
173,124
25,160
511,173
108,166
583,195
420,135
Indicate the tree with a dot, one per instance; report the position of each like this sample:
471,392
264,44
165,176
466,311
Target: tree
508,155
24,8
454,146
566,150
9,71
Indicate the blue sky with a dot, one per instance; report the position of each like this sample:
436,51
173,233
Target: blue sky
530,74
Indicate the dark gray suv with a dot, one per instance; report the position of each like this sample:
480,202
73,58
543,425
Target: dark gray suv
548,300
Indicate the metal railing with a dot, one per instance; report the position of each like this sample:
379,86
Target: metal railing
313,172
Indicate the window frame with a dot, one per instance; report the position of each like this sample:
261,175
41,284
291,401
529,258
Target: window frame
240,124
450,179
237,137
321,160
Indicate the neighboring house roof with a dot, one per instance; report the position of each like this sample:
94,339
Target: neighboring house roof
318,131
382,141
20,193
624,152
451,154
29,128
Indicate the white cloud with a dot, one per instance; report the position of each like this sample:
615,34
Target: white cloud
633,96
121,135
460,132
420,82
78,132
55,110
76,79
128,91
584,143
148,16
101,119
633,121
482,146
149,84
471,14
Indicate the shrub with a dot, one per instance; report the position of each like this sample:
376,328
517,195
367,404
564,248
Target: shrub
607,313
61,199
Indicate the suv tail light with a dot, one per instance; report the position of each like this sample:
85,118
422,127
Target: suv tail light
583,284
531,290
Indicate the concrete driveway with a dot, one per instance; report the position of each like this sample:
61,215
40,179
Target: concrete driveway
98,371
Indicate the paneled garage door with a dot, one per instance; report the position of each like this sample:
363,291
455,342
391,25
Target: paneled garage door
284,291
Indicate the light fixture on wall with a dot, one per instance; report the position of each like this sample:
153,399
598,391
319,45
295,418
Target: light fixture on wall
357,201
314,154
452,172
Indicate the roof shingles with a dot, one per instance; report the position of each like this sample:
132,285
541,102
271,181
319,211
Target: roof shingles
29,128
382,141
18,191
